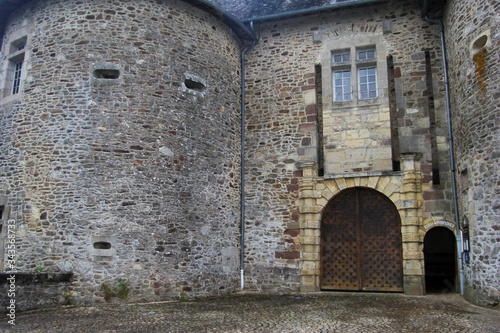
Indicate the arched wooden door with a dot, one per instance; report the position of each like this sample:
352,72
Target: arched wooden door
361,245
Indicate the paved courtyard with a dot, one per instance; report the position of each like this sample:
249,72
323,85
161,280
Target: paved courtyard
321,312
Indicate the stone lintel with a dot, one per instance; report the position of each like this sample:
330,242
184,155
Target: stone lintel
413,255
310,224
311,256
310,209
310,194
309,240
413,237
411,221
408,204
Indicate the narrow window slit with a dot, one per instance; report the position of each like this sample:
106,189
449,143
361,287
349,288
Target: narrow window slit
110,74
102,245
194,85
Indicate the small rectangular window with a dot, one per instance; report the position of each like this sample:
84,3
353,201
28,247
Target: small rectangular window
367,83
340,57
15,73
366,54
342,86
16,82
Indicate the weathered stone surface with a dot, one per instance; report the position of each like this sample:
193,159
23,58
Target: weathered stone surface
150,158
120,156
475,87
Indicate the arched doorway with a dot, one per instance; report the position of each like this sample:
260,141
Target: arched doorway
361,243
439,258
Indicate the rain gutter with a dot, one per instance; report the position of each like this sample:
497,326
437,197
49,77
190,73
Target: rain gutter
425,12
314,10
240,29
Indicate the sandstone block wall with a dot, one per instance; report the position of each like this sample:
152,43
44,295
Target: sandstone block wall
473,42
120,159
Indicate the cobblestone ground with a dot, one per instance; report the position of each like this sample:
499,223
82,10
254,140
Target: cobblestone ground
323,312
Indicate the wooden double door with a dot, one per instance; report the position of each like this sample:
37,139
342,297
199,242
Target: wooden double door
361,245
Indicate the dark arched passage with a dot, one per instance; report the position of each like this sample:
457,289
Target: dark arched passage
440,262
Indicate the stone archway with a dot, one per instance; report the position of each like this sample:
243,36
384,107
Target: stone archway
402,189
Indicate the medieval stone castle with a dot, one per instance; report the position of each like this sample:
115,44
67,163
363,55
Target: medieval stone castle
193,147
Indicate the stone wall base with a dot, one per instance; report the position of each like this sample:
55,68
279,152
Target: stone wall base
414,285
27,291
478,297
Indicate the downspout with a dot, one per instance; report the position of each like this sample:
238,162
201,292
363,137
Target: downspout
242,172
425,11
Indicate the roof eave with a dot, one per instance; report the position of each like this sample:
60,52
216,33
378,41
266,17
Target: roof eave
314,10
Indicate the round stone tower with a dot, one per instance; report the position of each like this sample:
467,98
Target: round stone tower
120,146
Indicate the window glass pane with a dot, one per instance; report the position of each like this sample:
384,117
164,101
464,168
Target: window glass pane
342,86
16,84
341,57
366,54
367,83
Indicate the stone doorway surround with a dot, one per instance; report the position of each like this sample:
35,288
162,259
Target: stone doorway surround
403,188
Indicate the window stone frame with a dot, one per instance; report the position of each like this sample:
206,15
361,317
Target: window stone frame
10,57
355,43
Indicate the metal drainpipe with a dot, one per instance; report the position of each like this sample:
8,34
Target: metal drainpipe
450,134
242,172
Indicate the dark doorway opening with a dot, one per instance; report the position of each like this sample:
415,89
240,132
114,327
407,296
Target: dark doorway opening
440,260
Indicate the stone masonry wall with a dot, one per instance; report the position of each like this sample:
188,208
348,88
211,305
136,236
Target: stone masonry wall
282,121
473,44
121,158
